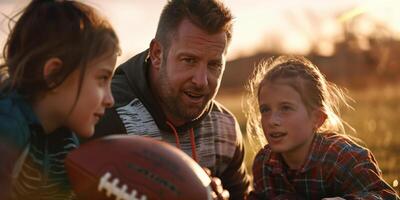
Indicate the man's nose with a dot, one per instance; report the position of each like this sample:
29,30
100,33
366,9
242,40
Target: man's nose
200,77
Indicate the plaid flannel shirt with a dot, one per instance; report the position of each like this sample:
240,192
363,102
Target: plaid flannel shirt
335,167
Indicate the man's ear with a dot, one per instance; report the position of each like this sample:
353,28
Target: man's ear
320,117
51,67
155,53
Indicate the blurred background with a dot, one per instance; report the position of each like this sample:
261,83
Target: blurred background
356,43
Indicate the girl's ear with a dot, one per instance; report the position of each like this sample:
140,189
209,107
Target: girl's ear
320,117
155,54
51,67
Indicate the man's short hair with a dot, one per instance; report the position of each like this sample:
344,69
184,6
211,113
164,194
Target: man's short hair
211,16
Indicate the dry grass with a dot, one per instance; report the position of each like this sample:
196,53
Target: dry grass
376,118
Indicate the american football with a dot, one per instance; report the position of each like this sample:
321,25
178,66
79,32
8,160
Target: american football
127,167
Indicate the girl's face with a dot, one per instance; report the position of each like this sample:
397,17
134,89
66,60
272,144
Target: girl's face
287,126
95,96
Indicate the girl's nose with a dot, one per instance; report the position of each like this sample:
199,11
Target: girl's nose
275,119
109,99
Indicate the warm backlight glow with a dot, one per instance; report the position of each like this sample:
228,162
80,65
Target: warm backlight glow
293,27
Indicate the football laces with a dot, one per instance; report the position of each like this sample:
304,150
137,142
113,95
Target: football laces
111,188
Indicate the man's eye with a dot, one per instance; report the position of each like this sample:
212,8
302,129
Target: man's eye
189,60
215,66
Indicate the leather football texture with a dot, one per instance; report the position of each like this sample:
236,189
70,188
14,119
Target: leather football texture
129,167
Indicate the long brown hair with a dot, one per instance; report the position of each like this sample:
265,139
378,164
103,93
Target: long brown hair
68,30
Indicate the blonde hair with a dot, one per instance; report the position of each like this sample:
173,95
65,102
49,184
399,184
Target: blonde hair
308,81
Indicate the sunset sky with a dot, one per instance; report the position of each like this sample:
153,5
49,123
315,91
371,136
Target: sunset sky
291,26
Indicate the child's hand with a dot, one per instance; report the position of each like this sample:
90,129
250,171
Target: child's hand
333,198
219,193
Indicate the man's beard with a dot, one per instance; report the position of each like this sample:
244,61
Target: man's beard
173,103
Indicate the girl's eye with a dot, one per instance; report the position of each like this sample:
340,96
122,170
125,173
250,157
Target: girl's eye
264,109
104,79
286,108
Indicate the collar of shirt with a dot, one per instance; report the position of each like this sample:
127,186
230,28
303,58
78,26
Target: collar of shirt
277,164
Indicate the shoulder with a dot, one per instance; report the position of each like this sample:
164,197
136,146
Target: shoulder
262,156
221,113
121,90
128,78
261,164
14,127
223,122
353,162
218,107
344,148
342,143
10,116
220,126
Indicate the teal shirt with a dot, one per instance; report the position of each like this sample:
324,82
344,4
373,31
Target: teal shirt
16,116
39,173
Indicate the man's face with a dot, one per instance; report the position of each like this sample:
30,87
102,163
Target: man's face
190,72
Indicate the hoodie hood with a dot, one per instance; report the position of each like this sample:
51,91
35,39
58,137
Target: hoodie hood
131,80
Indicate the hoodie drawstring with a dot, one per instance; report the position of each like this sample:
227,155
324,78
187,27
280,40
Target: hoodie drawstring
192,140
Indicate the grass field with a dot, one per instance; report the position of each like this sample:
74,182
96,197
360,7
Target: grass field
376,118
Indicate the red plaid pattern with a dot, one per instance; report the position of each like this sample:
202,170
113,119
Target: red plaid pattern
335,167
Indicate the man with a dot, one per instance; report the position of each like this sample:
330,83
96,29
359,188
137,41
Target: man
168,91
